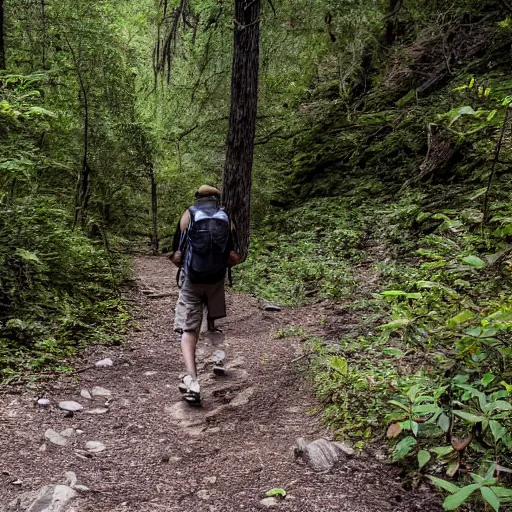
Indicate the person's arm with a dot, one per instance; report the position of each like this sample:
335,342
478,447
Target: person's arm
179,239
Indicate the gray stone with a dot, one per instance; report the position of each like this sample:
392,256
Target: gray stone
99,391
68,432
321,455
98,410
55,438
81,488
43,402
85,394
150,374
70,406
50,498
95,446
71,478
269,502
242,398
104,363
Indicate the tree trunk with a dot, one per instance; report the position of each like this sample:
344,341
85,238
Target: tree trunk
242,119
2,36
154,212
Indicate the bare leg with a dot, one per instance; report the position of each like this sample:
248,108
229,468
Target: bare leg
188,349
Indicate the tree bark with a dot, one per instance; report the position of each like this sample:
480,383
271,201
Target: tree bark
84,175
154,211
237,177
2,36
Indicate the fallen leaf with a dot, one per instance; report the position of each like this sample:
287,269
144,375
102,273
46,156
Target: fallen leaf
394,430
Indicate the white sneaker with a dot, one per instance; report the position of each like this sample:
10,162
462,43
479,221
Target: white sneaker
190,389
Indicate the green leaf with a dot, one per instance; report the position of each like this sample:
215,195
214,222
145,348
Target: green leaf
467,111
444,484
399,322
490,497
456,500
423,458
400,405
276,492
403,448
393,293
40,111
471,418
497,429
487,379
426,408
392,351
462,317
502,492
339,364
413,392
444,422
27,255
442,451
474,261
500,405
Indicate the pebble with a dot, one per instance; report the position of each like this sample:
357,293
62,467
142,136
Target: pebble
99,391
269,502
68,432
104,363
85,394
98,410
150,374
95,446
81,488
70,406
55,438
43,402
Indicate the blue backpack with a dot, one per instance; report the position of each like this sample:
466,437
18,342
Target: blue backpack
206,258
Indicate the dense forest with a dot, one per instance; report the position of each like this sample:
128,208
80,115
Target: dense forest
374,177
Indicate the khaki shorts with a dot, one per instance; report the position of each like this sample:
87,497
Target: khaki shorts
189,308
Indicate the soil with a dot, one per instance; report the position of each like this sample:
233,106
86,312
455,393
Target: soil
164,455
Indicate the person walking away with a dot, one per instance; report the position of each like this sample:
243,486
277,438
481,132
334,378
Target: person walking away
204,249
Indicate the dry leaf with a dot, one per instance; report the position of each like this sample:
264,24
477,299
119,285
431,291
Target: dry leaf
394,430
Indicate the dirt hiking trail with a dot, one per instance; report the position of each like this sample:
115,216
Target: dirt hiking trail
136,446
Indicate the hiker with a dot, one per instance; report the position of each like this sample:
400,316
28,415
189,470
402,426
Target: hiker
203,249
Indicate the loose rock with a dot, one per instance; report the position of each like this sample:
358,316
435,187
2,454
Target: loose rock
99,391
70,406
68,432
55,438
272,307
242,398
50,498
321,455
95,446
269,502
104,363
98,410
85,394
43,402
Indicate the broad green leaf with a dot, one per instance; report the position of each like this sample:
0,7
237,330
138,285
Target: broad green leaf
403,448
444,484
500,405
474,261
40,111
413,392
490,497
487,379
467,111
392,351
444,422
502,492
423,458
462,317
414,295
497,429
426,408
276,492
27,255
452,468
456,500
399,404
399,322
471,418
442,451
339,364
393,293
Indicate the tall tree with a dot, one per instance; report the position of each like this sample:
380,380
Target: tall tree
2,37
237,179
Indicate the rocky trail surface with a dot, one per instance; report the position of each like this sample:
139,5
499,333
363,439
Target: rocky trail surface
118,437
